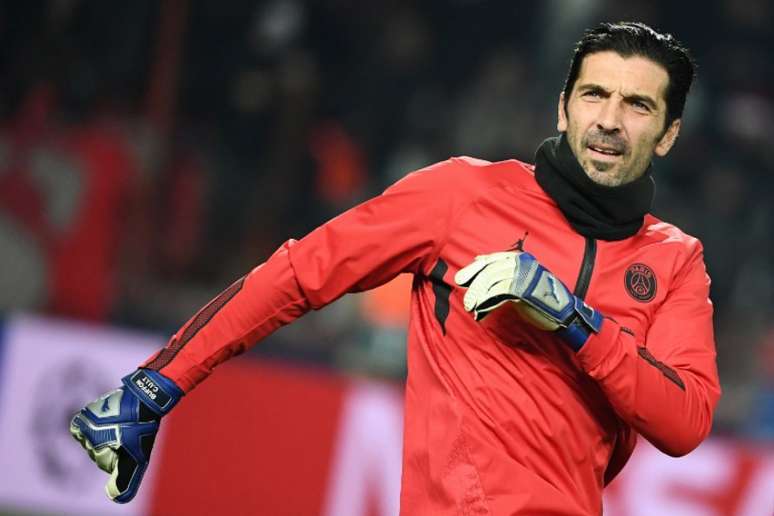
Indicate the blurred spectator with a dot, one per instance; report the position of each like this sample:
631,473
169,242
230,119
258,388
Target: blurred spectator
66,186
150,153
760,423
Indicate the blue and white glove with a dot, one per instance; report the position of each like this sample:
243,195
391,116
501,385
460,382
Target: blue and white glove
538,296
118,429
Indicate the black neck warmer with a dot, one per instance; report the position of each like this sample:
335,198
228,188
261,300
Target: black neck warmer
593,210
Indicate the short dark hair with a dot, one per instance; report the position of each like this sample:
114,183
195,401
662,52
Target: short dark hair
637,39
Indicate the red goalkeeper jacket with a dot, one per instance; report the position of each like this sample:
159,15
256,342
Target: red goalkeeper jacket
501,418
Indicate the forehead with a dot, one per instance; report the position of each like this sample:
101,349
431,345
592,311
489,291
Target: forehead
635,75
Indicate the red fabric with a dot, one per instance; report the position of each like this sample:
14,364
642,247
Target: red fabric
82,242
86,252
184,215
258,416
268,298
501,418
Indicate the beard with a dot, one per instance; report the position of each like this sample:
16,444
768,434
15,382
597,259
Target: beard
600,173
601,166
607,173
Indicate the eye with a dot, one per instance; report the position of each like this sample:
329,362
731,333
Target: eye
592,95
640,106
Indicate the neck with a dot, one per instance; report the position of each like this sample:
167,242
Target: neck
592,209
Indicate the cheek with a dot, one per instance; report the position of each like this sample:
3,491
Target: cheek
646,145
578,117
646,139
575,138
575,129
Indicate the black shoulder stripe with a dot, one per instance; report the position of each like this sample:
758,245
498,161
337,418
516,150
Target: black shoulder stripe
667,371
197,323
442,293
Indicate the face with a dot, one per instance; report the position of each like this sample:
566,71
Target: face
615,117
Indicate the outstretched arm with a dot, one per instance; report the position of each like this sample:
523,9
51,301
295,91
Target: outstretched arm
253,307
398,231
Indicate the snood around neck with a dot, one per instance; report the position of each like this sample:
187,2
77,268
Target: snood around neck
593,210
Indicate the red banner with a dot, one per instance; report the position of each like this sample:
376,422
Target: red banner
276,440
271,439
252,439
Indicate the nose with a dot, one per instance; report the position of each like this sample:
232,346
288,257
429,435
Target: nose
609,116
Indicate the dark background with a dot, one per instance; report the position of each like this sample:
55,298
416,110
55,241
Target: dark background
152,152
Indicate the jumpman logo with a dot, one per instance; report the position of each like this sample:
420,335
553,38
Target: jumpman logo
519,245
106,404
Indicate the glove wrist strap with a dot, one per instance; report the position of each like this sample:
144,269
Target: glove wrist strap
155,390
583,323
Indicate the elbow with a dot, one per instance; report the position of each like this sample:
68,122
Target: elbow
679,436
679,444
679,449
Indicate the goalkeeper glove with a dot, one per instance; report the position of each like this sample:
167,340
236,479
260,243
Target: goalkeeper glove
539,296
118,429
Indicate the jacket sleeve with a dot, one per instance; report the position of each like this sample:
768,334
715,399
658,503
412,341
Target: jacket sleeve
402,230
398,231
664,385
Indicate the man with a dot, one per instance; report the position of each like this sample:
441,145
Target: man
552,320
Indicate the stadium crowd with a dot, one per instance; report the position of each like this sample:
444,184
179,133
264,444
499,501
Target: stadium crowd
152,153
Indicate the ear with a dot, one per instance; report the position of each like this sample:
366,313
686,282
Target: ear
668,139
561,115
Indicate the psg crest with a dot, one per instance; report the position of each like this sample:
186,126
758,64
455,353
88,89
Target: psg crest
640,282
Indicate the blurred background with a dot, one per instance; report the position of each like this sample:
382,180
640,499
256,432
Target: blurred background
152,152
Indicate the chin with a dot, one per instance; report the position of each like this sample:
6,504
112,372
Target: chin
604,177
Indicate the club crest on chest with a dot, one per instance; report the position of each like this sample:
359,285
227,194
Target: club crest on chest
640,282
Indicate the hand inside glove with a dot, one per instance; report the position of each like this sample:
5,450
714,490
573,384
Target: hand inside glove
538,296
118,429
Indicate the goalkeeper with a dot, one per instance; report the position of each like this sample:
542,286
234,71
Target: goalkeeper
553,318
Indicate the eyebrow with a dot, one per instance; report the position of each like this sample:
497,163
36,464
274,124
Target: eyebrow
645,99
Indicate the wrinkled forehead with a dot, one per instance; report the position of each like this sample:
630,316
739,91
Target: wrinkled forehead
633,75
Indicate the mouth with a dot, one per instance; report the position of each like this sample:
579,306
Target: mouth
604,153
